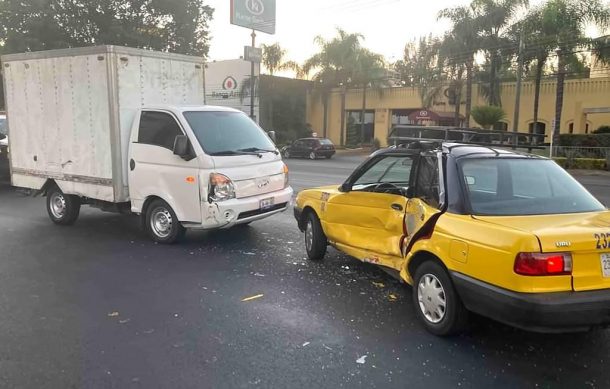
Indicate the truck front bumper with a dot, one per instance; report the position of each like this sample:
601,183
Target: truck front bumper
538,312
226,214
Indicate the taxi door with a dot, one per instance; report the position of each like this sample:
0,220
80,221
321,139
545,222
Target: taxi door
426,200
369,215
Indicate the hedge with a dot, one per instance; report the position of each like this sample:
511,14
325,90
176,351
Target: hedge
584,140
581,163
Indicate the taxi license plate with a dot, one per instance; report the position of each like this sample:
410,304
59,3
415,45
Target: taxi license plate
605,259
268,203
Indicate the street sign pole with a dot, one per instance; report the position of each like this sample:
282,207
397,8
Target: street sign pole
252,80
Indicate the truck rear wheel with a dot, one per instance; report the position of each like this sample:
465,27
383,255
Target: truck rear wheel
162,224
63,209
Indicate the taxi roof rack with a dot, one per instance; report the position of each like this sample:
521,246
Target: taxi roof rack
421,135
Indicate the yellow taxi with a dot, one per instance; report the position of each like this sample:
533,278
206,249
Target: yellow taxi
503,234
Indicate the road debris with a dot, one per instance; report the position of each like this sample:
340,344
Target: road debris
379,284
258,275
252,297
305,344
124,321
392,297
362,360
113,314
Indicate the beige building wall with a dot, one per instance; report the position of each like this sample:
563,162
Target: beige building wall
585,101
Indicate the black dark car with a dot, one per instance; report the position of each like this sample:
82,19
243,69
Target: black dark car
311,148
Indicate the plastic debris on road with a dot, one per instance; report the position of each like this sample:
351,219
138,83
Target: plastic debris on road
305,344
252,297
392,297
379,284
113,314
362,360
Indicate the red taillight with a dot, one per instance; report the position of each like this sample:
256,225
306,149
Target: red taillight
539,264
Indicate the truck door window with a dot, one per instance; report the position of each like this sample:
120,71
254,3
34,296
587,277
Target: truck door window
158,129
427,185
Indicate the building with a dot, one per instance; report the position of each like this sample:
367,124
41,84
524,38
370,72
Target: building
586,107
227,83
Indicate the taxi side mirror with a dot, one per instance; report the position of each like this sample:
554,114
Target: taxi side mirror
410,192
345,187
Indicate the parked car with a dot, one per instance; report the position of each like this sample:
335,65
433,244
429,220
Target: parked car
311,148
503,234
3,133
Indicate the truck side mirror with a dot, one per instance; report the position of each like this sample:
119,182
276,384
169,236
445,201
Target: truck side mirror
272,135
181,146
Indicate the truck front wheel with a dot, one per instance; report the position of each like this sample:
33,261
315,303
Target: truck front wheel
63,209
162,224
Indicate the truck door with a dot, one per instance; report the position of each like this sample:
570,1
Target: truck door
424,206
154,170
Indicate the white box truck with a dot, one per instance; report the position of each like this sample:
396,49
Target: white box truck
127,130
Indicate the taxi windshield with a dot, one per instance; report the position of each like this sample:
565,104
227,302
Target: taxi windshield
499,187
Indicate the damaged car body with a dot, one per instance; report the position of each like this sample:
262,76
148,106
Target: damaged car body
470,232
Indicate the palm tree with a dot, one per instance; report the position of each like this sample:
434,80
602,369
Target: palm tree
370,73
492,20
273,60
567,20
462,44
336,64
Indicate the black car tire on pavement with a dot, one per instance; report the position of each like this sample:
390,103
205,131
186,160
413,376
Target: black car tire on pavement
315,240
431,282
312,155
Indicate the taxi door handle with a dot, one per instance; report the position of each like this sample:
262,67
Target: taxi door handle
396,207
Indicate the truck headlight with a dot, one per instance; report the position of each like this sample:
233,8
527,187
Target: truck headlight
285,176
221,188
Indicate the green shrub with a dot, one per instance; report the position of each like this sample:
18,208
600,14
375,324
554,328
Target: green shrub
376,145
584,140
602,130
581,163
487,116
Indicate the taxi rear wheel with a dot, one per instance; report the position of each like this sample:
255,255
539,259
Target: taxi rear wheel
436,302
315,240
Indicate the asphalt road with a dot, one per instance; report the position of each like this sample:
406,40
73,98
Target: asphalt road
98,305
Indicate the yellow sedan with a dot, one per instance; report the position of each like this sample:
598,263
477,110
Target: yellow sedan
506,235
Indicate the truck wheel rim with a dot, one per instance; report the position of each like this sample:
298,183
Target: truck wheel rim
57,204
431,297
309,235
161,222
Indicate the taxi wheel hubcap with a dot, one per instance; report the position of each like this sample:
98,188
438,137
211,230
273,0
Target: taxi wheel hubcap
431,297
58,205
309,235
161,222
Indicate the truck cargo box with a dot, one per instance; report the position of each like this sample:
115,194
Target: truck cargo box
70,112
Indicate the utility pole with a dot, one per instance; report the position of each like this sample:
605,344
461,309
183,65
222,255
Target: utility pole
558,100
518,87
252,79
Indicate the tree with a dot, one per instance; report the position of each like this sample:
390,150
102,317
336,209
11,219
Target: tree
492,20
420,68
567,20
488,116
461,45
370,73
180,26
273,59
336,64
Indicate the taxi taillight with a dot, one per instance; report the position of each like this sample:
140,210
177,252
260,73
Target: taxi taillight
543,264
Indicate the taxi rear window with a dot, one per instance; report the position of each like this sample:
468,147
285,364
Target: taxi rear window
519,186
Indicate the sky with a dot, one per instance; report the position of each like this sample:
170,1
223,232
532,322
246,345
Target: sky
387,25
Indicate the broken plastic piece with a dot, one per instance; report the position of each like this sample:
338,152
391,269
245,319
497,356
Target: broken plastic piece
252,297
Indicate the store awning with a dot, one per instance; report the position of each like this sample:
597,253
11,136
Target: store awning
428,115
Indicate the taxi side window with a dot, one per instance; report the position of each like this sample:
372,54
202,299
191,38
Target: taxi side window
394,170
427,183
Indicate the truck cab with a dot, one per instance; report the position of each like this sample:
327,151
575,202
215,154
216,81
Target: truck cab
202,167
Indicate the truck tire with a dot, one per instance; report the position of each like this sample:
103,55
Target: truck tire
63,209
315,240
436,301
162,224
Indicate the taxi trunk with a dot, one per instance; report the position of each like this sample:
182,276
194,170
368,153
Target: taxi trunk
585,236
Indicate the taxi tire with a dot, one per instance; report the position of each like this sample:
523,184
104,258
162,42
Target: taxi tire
317,250
455,319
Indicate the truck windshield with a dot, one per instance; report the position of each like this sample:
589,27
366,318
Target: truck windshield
227,133
499,187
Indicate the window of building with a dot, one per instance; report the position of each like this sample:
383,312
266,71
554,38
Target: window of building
158,129
354,127
571,127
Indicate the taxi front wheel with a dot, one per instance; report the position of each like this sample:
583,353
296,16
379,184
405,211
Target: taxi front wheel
315,240
436,302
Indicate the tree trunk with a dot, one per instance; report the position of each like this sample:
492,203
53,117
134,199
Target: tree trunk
538,82
342,129
458,98
362,114
492,77
559,97
325,104
468,91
